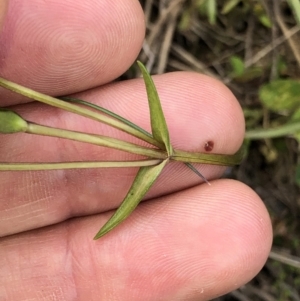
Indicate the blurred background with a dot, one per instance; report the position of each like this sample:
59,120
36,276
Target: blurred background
253,46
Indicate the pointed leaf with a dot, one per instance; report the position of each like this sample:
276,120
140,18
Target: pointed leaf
197,172
106,111
214,159
142,183
229,5
22,166
158,123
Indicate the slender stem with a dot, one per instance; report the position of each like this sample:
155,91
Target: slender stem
77,110
283,130
73,165
95,139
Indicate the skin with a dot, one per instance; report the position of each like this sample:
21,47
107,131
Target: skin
187,241
3,7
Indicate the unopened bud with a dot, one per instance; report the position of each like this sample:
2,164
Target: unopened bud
10,122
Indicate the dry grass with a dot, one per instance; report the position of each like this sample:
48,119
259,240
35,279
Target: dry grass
180,38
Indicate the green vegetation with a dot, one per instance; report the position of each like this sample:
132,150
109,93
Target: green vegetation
150,168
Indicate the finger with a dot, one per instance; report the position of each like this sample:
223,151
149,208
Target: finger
193,245
197,109
61,47
3,6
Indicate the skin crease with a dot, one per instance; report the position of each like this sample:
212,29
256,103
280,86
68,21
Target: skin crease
188,241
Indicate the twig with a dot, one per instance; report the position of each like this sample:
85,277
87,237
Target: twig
148,10
285,30
286,259
263,52
156,29
165,49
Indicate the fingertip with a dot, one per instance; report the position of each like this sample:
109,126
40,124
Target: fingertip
248,220
222,235
198,109
69,46
208,107
192,245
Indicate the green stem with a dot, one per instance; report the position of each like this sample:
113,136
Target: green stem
283,130
72,165
77,110
95,139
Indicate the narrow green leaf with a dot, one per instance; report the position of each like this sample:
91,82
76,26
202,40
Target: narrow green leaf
211,7
229,5
295,8
10,122
215,159
265,20
142,183
55,102
22,166
237,65
106,111
158,123
197,172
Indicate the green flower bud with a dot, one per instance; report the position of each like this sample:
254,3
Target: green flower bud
10,122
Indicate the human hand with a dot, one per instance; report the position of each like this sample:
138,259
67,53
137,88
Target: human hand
187,241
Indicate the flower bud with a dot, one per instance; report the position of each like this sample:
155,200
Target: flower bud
10,122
